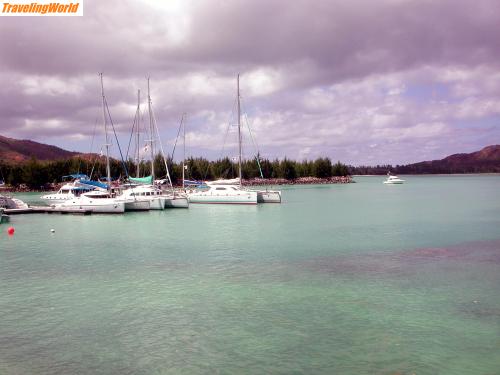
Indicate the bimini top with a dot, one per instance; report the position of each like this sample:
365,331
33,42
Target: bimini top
94,183
193,183
148,180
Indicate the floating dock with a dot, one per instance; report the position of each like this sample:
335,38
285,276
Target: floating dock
46,210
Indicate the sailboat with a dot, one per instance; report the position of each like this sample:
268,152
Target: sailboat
144,189
232,191
142,192
172,198
102,199
80,184
226,191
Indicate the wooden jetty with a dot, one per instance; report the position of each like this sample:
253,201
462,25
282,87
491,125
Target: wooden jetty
46,210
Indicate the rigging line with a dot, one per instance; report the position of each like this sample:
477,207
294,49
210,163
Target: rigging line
254,143
231,116
116,138
257,153
131,135
161,145
178,133
257,156
91,148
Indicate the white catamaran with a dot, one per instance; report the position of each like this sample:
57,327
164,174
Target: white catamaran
69,190
172,198
232,191
140,192
145,188
100,200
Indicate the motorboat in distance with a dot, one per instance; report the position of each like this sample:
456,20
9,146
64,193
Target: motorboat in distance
393,180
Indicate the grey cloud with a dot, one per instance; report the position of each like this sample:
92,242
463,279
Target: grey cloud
332,46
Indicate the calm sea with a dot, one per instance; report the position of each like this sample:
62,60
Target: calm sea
339,279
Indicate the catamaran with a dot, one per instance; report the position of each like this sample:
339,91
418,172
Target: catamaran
102,199
97,201
232,191
144,195
222,192
144,189
172,198
70,190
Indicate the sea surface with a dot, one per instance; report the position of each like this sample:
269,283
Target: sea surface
357,279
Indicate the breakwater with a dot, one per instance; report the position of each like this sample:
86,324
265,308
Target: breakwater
298,181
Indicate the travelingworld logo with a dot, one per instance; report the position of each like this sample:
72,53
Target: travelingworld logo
42,8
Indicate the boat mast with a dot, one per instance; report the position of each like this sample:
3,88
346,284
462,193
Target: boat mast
239,127
184,149
151,131
138,132
108,169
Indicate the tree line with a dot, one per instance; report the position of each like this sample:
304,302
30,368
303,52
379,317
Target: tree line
39,174
433,167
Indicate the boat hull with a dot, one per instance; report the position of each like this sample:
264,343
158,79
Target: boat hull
95,207
246,199
268,196
158,203
137,205
176,202
53,199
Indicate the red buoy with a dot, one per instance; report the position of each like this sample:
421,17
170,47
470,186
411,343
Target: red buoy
11,231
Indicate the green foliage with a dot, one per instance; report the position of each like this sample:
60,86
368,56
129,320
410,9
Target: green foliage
224,168
322,168
340,169
37,174
287,169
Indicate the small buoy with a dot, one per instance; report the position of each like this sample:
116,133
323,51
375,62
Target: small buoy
52,230
11,231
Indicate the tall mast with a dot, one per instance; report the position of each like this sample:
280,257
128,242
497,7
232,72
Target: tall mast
151,131
239,127
184,148
108,169
138,132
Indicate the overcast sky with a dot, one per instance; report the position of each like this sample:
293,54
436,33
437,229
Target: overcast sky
361,81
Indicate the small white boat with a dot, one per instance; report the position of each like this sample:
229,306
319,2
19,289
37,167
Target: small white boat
393,180
96,201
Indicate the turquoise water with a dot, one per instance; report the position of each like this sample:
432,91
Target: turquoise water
339,279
